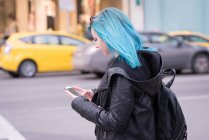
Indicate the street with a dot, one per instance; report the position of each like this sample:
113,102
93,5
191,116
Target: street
39,109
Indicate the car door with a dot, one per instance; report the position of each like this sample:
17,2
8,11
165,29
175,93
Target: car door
48,52
69,46
174,53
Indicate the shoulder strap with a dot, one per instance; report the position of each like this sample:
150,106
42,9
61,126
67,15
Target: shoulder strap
162,104
167,72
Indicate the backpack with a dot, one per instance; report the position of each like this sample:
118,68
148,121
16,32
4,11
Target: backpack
170,120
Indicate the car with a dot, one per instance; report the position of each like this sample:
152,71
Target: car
179,54
192,37
175,54
91,60
25,54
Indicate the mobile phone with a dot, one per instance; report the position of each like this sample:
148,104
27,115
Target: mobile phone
69,88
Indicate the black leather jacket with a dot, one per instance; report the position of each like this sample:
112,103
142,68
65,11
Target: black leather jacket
121,107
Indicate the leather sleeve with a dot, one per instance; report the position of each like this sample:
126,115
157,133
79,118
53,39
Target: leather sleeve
121,106
86,109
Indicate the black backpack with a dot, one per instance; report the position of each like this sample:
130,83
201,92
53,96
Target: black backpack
169,118
170,121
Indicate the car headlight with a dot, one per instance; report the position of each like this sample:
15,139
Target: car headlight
7,48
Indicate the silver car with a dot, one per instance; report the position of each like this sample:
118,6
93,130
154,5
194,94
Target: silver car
175,54
91,60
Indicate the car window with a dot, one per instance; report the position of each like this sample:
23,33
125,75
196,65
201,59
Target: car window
145,38
197,39
163,39
46,39
52,39
158,38
70,41
181,38
27,39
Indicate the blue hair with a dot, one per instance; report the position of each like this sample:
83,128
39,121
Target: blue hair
116,30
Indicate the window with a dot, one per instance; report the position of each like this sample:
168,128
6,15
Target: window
163,39
158,38
40,39
144,38
27,39
70,41
53,40
181,38
197,39
46,39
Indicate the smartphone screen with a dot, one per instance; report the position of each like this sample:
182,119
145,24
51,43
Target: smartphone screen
69,88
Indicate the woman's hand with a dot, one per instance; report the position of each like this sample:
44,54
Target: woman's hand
83,92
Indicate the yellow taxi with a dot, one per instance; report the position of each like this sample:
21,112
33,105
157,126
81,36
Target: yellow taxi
192,37
25,54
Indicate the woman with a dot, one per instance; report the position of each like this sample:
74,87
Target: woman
121,106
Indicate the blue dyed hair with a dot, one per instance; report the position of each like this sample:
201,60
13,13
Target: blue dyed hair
116,30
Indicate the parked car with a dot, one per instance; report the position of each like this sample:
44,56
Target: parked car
175,54
25,54
192,37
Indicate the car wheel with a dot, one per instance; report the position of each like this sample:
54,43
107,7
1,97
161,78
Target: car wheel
200,63
13,74
27,69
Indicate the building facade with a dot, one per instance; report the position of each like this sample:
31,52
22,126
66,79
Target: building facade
73,15
42,15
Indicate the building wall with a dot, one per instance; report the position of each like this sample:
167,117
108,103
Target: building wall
64,20
7,7
175,15
22,14
136,14
40,15
111,3
67,20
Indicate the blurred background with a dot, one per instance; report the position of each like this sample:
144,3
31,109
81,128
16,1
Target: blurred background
45,46
73,15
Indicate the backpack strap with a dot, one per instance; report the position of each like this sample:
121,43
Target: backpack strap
167,72
162,104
